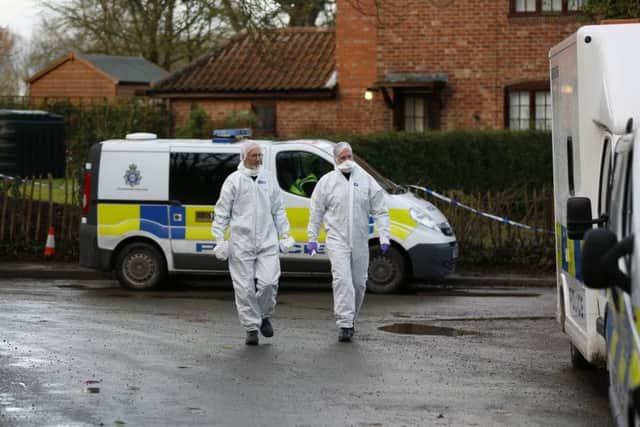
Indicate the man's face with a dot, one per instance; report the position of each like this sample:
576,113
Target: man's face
254,158
345,154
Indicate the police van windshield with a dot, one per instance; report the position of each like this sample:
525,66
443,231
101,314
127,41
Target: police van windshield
388,185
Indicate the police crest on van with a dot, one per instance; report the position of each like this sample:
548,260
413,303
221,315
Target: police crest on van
132,176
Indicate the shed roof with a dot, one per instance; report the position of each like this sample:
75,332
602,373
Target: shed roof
126,69
120,69
280,60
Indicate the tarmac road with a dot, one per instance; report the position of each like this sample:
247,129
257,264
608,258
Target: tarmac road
87,353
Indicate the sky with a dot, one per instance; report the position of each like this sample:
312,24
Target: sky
21,16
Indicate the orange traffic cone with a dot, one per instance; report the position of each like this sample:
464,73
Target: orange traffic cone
50,247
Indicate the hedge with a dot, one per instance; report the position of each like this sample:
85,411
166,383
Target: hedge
471,161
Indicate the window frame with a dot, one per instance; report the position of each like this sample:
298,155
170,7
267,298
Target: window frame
432,108
265,131
205,193
539,12
605,177
290,152
532,87
621,171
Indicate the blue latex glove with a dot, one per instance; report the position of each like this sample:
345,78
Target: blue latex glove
384,248
313,248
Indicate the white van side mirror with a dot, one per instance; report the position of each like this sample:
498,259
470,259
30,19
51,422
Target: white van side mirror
579,219
600,255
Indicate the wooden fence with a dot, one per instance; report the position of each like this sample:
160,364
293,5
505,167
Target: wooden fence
28,207
487,242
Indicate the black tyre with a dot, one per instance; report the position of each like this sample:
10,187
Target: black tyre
140,266
577,359
387,272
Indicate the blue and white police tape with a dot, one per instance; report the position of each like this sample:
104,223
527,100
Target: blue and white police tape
501,219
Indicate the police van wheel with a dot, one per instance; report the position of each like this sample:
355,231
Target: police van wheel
386,272
140,266
577,359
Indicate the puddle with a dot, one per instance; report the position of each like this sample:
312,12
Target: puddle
421,329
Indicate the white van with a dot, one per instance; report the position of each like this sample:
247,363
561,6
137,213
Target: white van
580,149
149,204
599,78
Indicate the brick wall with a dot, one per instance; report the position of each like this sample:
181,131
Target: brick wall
217,110
128,90
300,117
293,118
74,79
356,63
474,42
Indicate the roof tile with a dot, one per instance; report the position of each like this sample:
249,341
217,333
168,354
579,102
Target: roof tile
280,60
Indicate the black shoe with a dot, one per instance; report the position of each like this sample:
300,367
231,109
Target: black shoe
345,334
266,328
252,338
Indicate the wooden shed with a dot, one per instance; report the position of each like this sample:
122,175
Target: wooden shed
83,76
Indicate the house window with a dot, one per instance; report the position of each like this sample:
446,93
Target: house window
416,118
266,114
417,112
529,107
530,7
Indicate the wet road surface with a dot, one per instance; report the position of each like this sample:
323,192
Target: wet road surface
78,353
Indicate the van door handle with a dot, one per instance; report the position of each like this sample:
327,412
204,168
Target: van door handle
177,217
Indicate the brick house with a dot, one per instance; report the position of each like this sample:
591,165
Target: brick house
422,64
287,79
81,76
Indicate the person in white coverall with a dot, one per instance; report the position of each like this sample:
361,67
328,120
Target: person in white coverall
343,199
251,206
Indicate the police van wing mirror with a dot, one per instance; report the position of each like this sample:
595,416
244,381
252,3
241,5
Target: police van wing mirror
600,255
579,219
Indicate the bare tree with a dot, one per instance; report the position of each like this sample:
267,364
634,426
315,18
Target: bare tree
168,32
10,81
255,15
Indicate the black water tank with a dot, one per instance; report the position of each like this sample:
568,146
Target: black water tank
31,143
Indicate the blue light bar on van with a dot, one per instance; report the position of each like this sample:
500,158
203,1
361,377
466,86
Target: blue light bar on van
230,135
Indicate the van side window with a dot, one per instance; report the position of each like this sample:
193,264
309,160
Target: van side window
299,171
605,178
627,214
618,190
196,178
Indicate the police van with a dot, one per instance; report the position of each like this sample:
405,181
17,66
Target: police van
148,205
596,113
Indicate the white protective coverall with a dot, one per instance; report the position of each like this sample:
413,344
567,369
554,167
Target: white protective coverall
344,206
254,212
